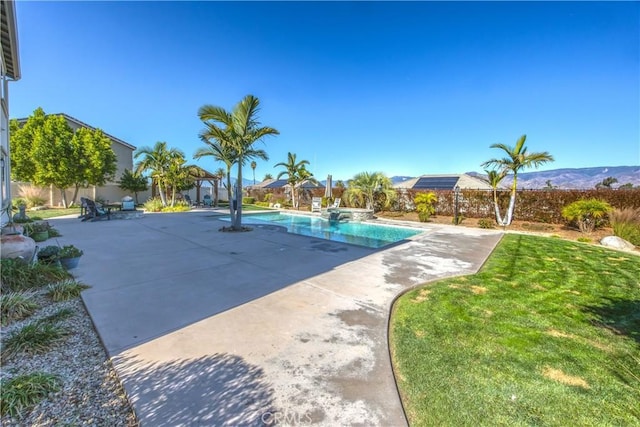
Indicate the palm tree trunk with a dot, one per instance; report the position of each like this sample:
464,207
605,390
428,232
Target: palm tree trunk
163,196
497,208
512,201
232,214
215,192
237,225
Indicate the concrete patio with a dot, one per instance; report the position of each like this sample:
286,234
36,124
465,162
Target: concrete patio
256,328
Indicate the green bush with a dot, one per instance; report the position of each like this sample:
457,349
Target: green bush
21,393
424,203
176,208
15,306
248,200
583,240
17,275
486,223
262,204
267,197
153,205
626,224
589,214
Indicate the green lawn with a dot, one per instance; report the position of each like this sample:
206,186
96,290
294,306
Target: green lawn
50,213
547,333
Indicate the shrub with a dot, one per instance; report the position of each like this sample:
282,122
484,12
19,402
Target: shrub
178,207
70,251
248,200
54,233
583,240
626,224
49,254
424,203
31,195
485,223
589,214
267,197
18,276
21,393
36,337
262,204
65,290
153,205
15,306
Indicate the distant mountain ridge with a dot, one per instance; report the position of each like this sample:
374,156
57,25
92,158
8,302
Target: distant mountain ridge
575,178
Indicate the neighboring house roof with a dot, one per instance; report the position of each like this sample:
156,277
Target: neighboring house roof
9,39
275,183
83,124
444,182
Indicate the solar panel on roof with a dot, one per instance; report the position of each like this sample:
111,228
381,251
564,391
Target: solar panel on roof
277,184
436,183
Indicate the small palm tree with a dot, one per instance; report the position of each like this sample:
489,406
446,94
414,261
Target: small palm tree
220,152
517,158
365,187
494,178
157,161
253,166
296,172
267,176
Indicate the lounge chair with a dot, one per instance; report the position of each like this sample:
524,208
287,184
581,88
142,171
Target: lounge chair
89,210
336,203
187,199
316,204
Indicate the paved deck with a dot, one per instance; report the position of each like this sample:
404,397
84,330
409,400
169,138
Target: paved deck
256,328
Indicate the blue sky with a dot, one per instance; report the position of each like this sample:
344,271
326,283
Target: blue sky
403,88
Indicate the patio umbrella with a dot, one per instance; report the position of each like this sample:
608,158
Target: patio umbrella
327,189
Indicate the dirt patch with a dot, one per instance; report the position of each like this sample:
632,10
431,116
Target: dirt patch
561,377
423,295
558,334
478,290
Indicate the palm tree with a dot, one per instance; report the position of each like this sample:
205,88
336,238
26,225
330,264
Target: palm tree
240,131
494,178
157,160
296,173
267,176
366,186
219,174
253,166
516,159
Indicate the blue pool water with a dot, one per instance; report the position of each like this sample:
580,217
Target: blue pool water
357,233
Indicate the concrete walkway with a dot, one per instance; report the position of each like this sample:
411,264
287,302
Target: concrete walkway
258,328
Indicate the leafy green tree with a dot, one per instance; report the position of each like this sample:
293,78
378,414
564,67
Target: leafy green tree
55,156
157,160
94,157
240,129
626,186
23,166
607,182
516,159
296,173
180,176
366,187
46,151
130,181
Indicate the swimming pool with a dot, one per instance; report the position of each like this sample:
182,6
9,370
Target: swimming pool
356,233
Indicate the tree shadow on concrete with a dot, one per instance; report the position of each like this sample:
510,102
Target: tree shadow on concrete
217,390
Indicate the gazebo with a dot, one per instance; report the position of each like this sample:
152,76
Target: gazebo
205,176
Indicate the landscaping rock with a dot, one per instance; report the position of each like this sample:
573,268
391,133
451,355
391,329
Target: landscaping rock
617,243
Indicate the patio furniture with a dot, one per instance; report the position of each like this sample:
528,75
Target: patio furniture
316,204
336,203
128,204
206,200
191,203
89,210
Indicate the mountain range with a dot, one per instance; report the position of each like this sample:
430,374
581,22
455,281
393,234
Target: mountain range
579,178
568,178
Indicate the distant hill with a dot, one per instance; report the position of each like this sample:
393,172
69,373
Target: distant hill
580,178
